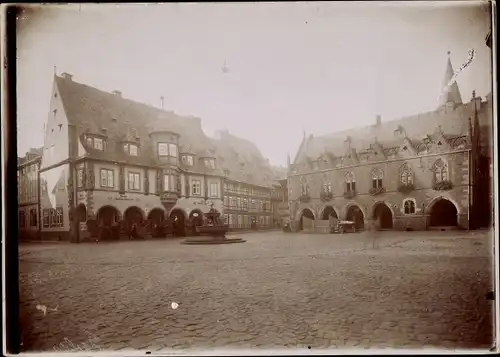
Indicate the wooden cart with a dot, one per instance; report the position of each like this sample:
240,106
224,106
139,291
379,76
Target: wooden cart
343,226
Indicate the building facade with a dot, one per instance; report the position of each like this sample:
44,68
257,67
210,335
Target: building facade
279,203
247,206
28,199
109,161
413,173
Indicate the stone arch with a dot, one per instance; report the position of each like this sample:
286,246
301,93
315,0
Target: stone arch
328,210
156,215
196,217
81,213
305,212
442,211
383,214
354,212
178,218
108,214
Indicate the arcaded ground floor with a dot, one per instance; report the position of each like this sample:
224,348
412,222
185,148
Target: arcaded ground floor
277,290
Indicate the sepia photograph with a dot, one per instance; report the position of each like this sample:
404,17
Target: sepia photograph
250,178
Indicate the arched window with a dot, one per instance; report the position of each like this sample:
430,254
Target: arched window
409,206
377,177
327,185
350,181
440,171
405,175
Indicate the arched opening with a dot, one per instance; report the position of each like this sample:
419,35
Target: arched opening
133,215
108,221
383,215
307,213
178,219
355,215
155,219
443,213
196,217
195,220
81,213
328,212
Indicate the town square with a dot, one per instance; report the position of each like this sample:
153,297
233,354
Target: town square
408,290
264,176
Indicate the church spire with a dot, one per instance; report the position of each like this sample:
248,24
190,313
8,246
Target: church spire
450,92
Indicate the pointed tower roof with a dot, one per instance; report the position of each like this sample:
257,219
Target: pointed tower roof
451,93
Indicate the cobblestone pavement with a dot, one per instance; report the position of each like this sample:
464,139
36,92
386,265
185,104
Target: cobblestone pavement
277,290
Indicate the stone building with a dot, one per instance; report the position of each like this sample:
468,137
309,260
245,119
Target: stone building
107,159
27,183
422,171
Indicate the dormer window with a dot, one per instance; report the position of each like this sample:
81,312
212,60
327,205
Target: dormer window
187,160
210,164
167,149
131,149
96,143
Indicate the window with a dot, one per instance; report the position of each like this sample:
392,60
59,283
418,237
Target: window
46,221
167,149
210,163
189,160
238,202
22,219
52,217
245,203
169,183
440,171
226,201
409,206
79,179
89,142
131,149
134,181
214,189
59,217
350,181
196,189
406,175
98,145
33,218
107,178
377,176
253,204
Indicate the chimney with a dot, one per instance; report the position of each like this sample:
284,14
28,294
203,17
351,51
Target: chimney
378,120
67,76
117,93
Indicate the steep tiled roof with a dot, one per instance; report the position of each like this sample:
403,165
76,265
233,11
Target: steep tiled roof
451,122
101,113
243,160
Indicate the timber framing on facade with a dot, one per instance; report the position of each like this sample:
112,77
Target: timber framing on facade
108,159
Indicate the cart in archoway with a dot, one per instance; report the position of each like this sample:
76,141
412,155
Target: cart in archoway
343,226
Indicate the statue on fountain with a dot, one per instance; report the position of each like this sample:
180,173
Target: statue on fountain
212,230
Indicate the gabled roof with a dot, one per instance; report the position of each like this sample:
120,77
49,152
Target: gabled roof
243,160
452,123
96,112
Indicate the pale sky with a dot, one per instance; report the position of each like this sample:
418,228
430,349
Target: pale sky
318,67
